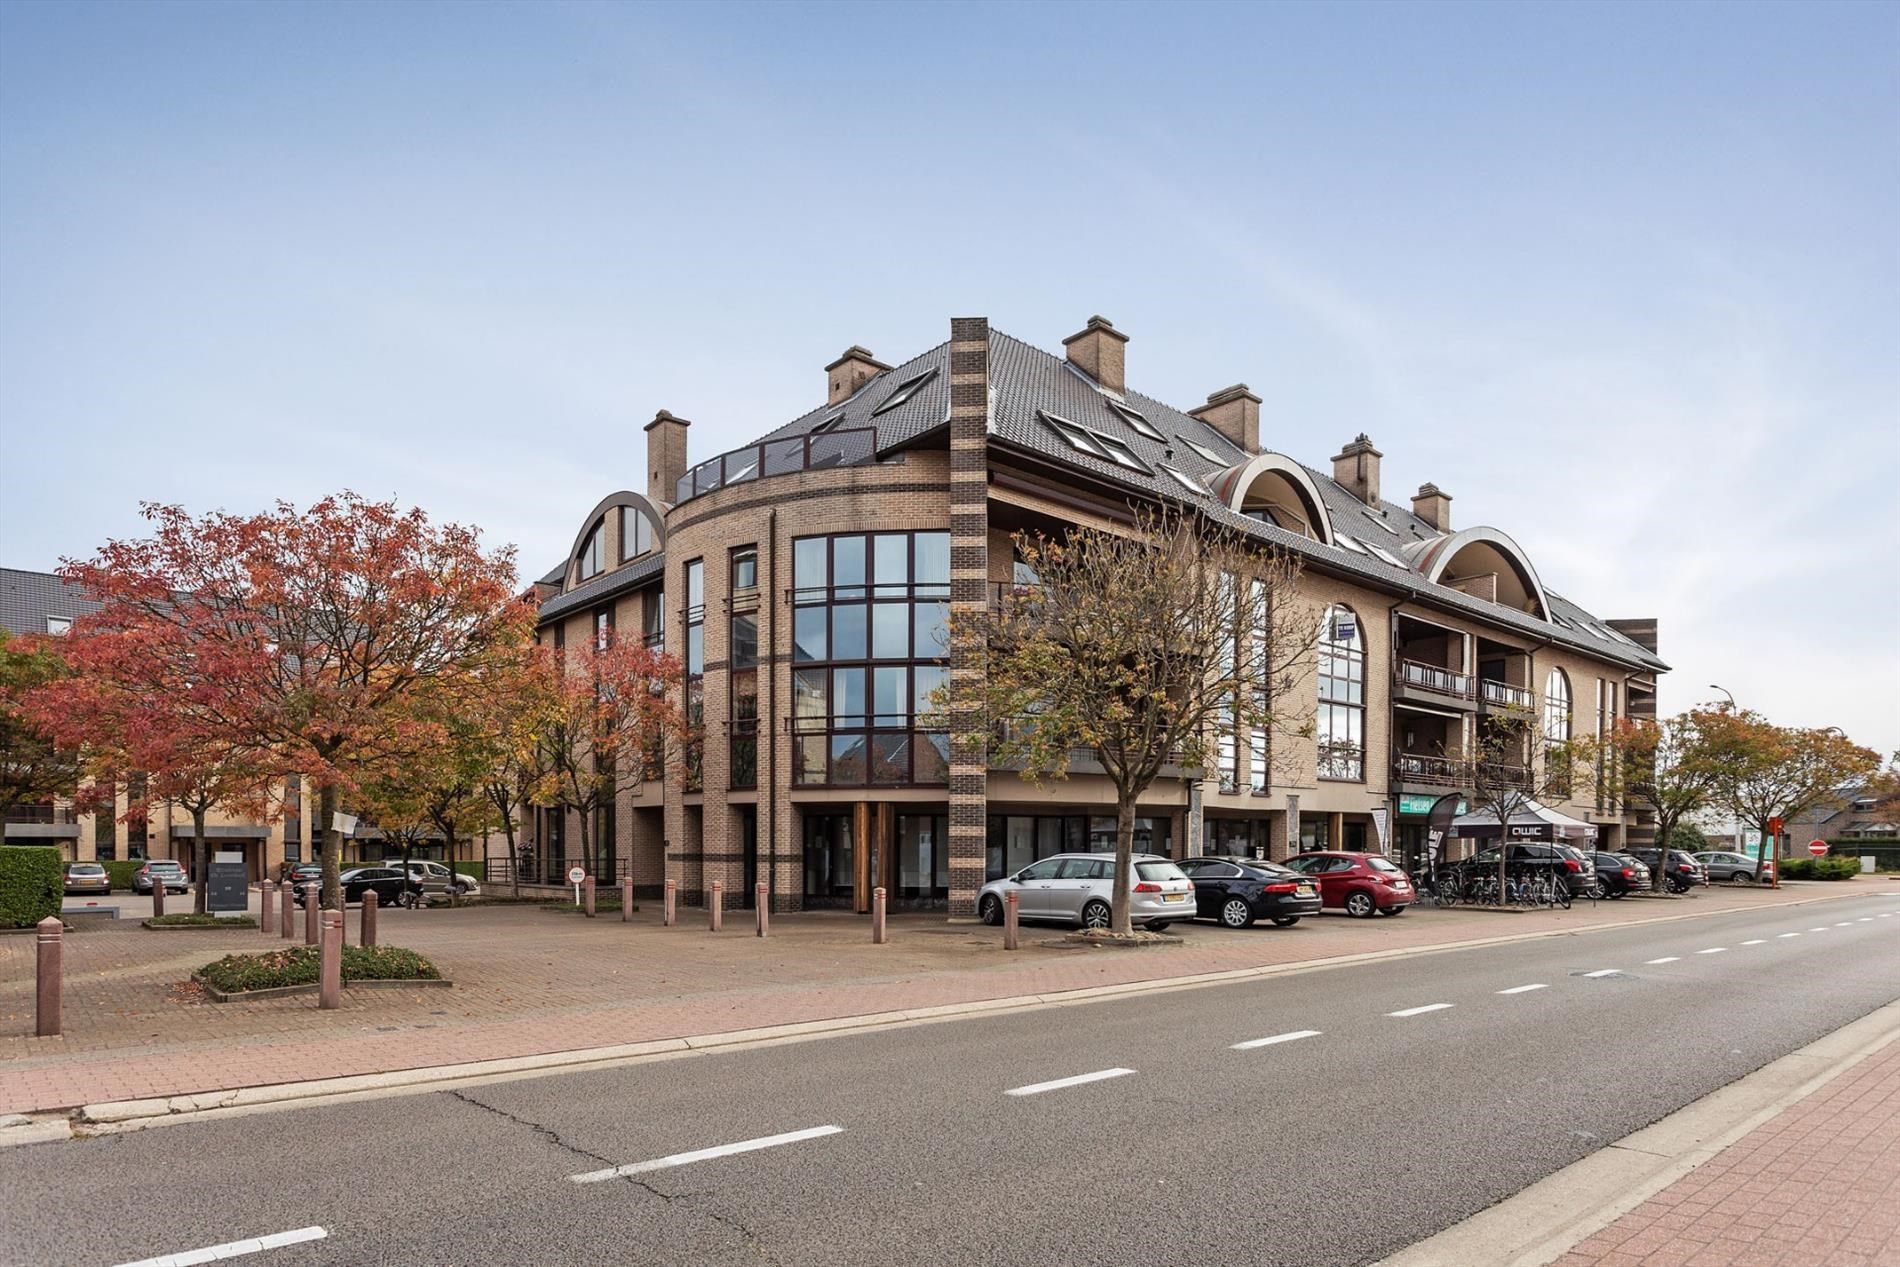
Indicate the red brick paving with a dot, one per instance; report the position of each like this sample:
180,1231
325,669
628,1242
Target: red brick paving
530,982
1816,1186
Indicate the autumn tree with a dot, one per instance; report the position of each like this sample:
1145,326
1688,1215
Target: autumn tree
307,633
616,716
510,720
1665,766
34,767
1507,779
1139,649
1764,771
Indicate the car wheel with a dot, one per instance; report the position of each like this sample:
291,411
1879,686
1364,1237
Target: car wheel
1236,913
1158,925
990,910
1359,903
1285,921
1097,915
1740,877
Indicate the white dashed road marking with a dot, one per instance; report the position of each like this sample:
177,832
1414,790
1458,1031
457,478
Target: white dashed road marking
1666,959
1788,934
1416,1011
1037,1088
1865,919
1712,950
232,1249
1603,972
1252,1043
1819,928
1755,942
707,1154
1524,989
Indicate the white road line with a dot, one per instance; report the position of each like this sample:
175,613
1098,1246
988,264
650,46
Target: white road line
1787,934
706,1154
232,1249
1844,923
1865,919
1252,1043
1037,1088
1414,1011
1712,950
1819,928
1524,989
1603,972
1886,915
1755,942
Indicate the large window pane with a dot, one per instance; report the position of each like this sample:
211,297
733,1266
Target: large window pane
745,640
808,759
890,758
847,760
696,583
847,631
847,697
933,630
810,691
932,559
808,633
695,649
890,631
889,696
1021,843
847,565
933,758
892,562
926,681
809,568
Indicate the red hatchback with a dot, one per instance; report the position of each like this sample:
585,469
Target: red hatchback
1362,884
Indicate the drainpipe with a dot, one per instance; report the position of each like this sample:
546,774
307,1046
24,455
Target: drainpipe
1391,726
770,712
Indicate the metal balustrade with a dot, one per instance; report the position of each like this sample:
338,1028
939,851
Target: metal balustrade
853,447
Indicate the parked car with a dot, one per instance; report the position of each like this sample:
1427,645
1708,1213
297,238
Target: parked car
1733,868
437,878
1237,891
305,873
1569,866
160,871
1077,888
1682,872
1361,884
386,881
87,877
1619,874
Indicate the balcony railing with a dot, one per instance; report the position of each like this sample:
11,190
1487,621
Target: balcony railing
1504,774
1504,695
1434,678
853,447
1414,767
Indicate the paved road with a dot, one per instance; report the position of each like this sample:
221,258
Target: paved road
1335,1148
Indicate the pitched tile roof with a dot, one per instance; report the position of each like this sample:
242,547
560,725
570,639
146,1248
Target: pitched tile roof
28,598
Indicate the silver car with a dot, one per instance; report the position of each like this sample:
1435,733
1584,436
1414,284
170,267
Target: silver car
436,878
1078,888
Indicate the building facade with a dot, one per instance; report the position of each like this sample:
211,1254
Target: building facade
807,582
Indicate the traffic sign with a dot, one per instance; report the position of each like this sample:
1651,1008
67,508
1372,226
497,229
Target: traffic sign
1817,847
575,875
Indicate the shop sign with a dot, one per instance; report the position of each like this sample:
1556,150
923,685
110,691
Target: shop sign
1423,805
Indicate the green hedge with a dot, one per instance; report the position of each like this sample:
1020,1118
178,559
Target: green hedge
32,884
121,870
477,869
1828,868
298,965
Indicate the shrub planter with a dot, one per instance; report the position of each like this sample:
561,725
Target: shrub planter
294,969
285,991
196,923
1140,939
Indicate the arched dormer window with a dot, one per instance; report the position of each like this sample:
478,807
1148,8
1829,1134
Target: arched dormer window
636,533
1557,707
1274,489
1483,563
1342,696
621,527
592,559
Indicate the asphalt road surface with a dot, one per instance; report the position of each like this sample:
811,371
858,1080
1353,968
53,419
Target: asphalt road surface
1379,1126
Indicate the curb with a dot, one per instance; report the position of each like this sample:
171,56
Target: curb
284,991
123,1115
1540,1224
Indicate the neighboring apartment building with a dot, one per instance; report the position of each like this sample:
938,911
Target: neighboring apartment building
39,602
806,581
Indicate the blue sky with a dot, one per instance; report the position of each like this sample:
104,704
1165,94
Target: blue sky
1621,279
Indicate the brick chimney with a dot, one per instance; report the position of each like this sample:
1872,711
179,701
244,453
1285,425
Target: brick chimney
666,456
1235,413
1433,505
1356,469
1101,351
854,368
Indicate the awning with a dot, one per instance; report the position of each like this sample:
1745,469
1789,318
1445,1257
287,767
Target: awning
1531,820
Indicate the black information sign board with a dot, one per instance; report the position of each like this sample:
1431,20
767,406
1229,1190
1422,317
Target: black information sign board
229,887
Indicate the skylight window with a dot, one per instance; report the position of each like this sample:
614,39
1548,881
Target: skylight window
1383,553
1186,481
905,390
1379,519
1121,454
1078,437
1349,542
1136,420
829,423
1203,450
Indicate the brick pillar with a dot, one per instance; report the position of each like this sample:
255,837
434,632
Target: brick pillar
267,908
969,597
1283,831
287,904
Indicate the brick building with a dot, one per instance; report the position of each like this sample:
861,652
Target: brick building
806,580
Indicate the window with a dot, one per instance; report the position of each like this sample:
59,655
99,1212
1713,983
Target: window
592,554
1078,437
1342,697
1121,454
695,746
745,568
1557,707
58,624
1203,450
1136,420
905,390
829,424
653,619
603,628
636,533
1350,543
1385,554
870,634
1185,480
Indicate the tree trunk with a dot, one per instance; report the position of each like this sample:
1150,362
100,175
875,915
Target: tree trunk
1663,832
1761,854
201,903
1119,922
448,850
514,851
332,851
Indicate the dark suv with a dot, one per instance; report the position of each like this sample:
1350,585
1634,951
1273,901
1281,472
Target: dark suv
1682,874
1574,869
1238,891
388,883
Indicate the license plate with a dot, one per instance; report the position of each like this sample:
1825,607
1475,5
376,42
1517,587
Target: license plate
1305,891
1174,897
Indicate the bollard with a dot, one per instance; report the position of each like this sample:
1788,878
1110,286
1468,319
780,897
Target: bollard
311,914
367,936
158,896
763,901
666,914
878,933
330,962
626,898
287,899
51,968
587,896
1010,902
716,903
267,909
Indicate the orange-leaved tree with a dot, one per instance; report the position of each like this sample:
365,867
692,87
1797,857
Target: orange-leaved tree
1764,771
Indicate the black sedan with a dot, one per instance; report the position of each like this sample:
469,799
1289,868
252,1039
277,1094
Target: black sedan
1618,874
1680,875
387,882
1238,891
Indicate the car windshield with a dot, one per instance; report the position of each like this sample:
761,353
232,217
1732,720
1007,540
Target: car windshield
163,866
86,868
1383,864
1159,871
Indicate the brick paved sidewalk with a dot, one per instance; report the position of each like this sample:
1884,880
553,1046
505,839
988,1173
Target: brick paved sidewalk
533,982
1816,1186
